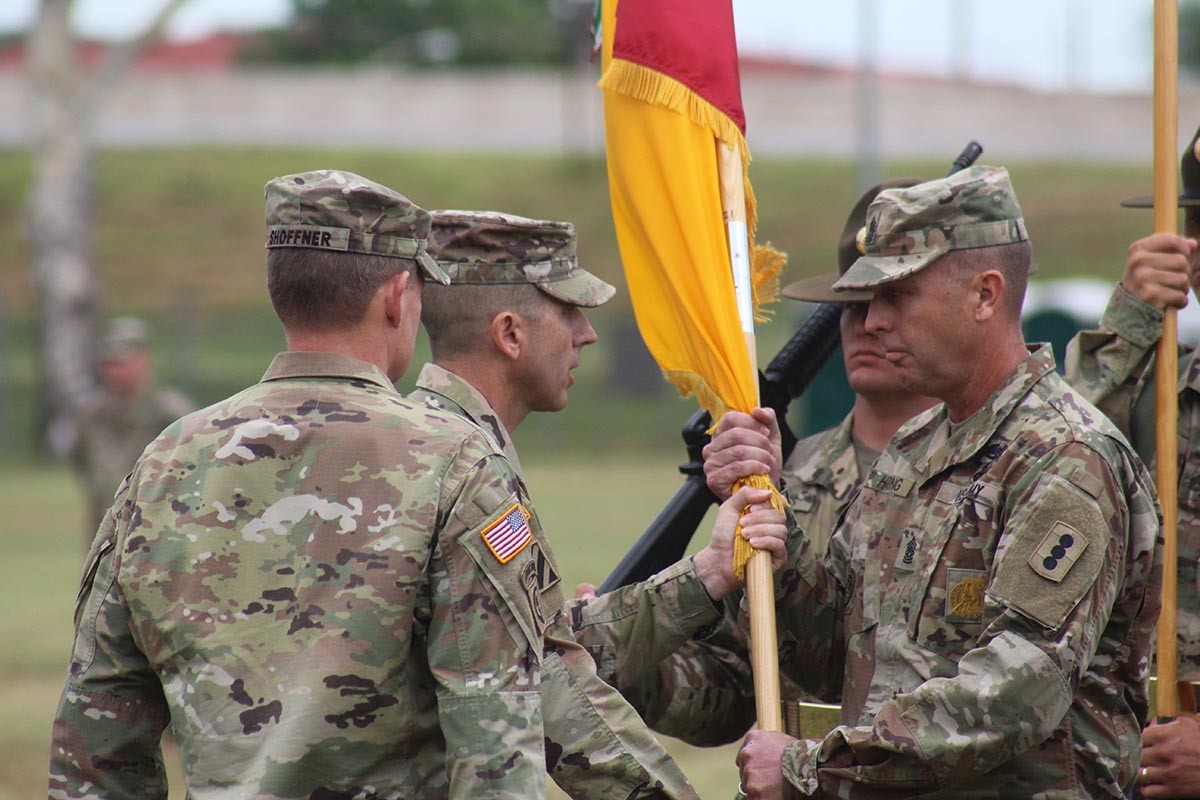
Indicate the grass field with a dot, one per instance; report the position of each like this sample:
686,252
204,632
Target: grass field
592,510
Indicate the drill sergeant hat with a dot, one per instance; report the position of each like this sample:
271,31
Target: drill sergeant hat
909,229
340,211
1189,183
491,248
819,288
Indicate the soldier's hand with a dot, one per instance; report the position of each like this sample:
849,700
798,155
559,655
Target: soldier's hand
1171,758
1156,270
585,591
743,445
760,764
764,527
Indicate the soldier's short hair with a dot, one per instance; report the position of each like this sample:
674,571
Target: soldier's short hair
320,290
457,318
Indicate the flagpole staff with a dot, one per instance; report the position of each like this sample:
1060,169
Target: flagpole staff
1166,212
760,587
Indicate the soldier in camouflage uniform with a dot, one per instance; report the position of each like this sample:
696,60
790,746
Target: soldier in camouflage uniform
115,429
505,336
327,589
1114,368
703,692
989,597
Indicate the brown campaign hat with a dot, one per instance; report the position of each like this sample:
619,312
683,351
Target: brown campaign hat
1189,180
819,288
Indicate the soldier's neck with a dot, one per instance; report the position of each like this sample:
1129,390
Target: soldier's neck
877,417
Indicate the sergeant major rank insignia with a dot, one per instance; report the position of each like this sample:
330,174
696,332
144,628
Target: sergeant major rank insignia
509,534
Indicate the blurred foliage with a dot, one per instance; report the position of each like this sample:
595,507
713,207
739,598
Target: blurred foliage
430,32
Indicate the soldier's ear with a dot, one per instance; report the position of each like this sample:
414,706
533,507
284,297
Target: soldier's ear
508,334
393,294
987,293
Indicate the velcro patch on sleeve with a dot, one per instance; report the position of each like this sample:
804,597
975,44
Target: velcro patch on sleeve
1055,550
1061,547
508,534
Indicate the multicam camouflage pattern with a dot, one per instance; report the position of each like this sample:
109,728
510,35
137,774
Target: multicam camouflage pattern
990,598
1113,367
687,676
112,434
296,579
596,747
491,248
909,229
333,210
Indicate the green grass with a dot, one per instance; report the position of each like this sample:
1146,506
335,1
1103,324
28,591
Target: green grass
592,511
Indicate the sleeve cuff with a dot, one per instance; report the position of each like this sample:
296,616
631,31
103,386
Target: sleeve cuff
1135,321
800,766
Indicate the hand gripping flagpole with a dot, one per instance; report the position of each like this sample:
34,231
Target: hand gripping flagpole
760,588
1166,212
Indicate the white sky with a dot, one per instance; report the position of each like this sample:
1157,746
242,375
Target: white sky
1102,45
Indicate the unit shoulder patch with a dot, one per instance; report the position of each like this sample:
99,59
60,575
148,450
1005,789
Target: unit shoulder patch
1060,548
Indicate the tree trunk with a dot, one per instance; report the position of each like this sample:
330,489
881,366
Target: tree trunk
59,230
63,101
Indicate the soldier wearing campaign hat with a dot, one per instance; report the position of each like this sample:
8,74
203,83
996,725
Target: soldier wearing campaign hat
326,589
990,594
505,336
1113,367
129,412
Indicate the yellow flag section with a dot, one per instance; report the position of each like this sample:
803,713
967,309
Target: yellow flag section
671,94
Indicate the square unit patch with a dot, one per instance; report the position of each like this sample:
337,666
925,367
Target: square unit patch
1058,552
509,534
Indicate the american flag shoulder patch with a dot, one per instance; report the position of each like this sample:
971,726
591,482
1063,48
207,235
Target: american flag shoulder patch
509,534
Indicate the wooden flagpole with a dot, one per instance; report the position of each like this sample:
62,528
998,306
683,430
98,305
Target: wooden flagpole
760,587
1166,212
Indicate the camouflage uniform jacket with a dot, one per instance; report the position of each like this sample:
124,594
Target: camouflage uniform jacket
703,692
112,434
989,598
1114,368
595,744
301,580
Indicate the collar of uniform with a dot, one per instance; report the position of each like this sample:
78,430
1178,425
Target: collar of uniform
931,447
470,403
320,364
828,460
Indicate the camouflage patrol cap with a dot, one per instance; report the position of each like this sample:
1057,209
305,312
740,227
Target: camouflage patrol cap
819,288
332,210
909,229
491,248
125,336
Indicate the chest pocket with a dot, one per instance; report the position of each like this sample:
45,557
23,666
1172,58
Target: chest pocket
945,605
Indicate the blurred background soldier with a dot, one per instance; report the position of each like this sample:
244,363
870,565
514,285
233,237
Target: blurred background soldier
1114,368
132,410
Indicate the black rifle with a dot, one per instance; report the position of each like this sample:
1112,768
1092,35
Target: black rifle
788,375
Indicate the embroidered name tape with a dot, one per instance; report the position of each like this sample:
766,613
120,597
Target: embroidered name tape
509,534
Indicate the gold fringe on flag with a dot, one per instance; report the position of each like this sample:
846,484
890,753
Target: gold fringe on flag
741,546
650,86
